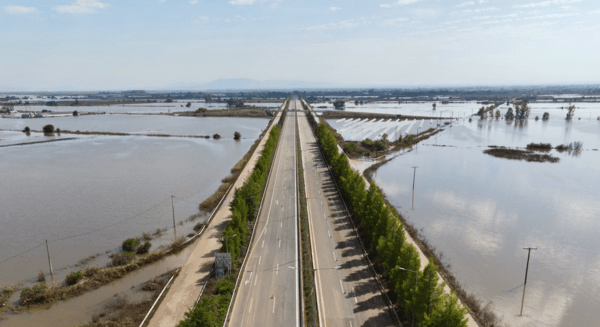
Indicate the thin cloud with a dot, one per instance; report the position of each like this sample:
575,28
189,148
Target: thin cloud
553,16
545,3
399,3
335,8
395,21
81,7
480,10
595,12
465,4
17,10
193,2
242,2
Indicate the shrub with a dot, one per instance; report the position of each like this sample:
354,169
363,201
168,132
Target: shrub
73,277
142,249
237,135
41,277
201,110
146,236
225,286
75,113
122,258
48,129
216,136
27,129
130,244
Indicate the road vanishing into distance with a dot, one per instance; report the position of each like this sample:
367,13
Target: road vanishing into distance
269,291
347,293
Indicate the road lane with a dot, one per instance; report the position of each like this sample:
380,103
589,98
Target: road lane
269,294
347,293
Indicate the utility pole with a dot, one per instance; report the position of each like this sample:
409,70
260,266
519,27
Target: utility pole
50,263
174,227
525,284
413,193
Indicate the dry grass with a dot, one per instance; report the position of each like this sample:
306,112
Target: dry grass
121,313
92,278
516,154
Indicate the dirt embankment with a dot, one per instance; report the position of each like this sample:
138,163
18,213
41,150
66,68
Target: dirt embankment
337,114
246,113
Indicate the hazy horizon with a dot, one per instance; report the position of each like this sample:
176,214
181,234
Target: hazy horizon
84,45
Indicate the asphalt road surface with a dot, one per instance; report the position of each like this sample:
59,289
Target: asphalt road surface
347,292
269,292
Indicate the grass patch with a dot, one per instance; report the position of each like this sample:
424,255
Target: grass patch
121,313
516,154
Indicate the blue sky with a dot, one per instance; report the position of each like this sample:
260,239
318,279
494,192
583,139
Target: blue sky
126,44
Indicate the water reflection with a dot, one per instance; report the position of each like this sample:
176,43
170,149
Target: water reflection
481,211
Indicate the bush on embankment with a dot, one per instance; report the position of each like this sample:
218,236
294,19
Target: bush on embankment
430,305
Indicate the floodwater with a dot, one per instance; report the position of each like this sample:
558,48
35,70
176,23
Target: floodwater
145,107
250,128
585,110
86,196
481,211
81,309
361,129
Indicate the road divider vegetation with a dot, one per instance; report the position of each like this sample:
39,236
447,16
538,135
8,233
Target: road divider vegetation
212,308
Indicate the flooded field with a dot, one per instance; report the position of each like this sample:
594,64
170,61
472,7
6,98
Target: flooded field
105,188
142,107
145,124
464,109
480,211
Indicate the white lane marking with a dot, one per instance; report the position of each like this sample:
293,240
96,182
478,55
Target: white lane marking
281,208
334,256
250,307
263,244
259,259
273,304
277,271
325,216
321,202
280,224
280,243
350,323
342,286
277,202
249,278
354,294
329,235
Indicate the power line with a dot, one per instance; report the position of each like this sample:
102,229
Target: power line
16,255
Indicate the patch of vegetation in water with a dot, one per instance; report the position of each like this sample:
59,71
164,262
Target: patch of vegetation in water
516,154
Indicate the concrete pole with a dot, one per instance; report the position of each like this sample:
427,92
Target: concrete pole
413,190
174,227
525,284
50,263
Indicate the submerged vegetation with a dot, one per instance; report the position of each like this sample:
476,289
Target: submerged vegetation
516,154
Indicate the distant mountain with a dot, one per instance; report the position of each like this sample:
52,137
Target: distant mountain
250,84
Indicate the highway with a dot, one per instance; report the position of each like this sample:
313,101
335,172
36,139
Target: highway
347,293
269,291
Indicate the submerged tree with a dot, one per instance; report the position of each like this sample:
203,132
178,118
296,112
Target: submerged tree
571,112
510,115
339,104
498,114
522,111
546,116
